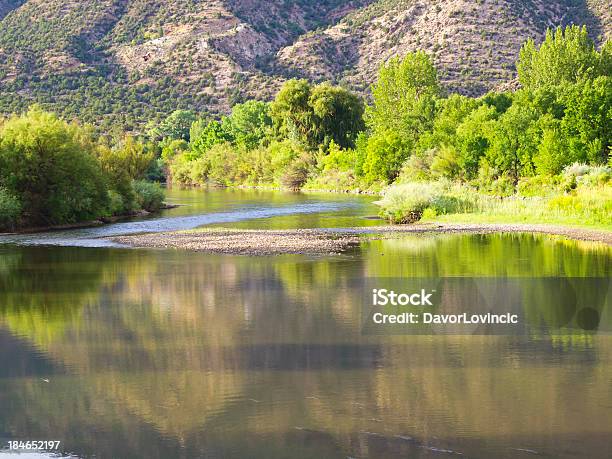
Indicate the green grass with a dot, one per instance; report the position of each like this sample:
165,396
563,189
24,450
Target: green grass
586,206
513,219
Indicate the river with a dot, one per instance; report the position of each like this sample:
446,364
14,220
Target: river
128,353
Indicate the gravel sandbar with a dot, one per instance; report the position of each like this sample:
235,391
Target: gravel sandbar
328,241
247,242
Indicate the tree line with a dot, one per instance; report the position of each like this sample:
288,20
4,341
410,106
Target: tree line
327,137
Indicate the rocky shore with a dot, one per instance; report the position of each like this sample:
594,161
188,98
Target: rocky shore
247,242
327,241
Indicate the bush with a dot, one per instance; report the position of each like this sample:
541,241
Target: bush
224,165
406,203
409,202
10,210
417,167
336,170
130,158
540,185
338,159
182,170
51,168
445,163
296,174
156,171
502,186
333,180
586,204
282,154
583,174
193,172
116,205
150,196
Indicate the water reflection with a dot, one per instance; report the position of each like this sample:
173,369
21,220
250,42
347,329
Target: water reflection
163,354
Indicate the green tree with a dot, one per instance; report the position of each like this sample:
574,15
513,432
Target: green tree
50,167
292,114
316,116
385,152
404,95
565,56
123,165
172,148
471,139
10,209
338,114
130,157
176,126
404,108
551,155
197,127
249,123
213,134
587,119
513,140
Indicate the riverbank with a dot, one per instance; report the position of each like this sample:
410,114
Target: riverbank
328,241
587,206
86,224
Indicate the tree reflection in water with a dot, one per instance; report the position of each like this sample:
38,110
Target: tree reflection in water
162,354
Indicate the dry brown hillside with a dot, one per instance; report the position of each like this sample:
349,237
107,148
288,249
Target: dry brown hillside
474,43
128,62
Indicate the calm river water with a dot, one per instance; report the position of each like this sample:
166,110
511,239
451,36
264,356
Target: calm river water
124,353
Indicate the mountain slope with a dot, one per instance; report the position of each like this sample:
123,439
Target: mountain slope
126,62
474,44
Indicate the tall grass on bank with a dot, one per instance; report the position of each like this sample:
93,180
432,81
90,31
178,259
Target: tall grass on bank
408,202
588,204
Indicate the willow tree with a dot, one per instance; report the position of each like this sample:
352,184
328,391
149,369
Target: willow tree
316,116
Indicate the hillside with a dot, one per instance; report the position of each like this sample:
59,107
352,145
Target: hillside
126,62
474,44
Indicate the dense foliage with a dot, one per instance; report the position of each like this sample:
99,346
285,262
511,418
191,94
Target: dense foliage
273,144
53,172
411,136
40,157
323,138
